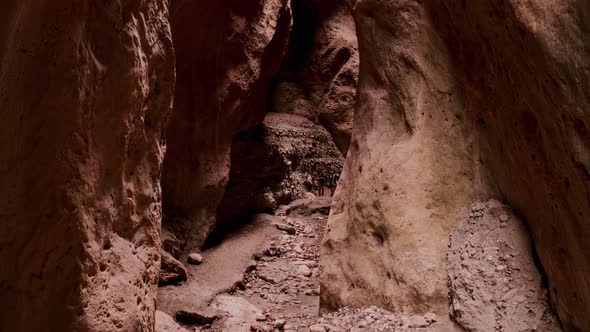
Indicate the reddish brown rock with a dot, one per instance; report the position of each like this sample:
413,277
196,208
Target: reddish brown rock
226,53
275,163
408,173
85,88
524,72
494,283
171,270
459,101
319,75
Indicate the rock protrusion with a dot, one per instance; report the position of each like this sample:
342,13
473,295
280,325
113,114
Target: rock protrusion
279,161
171,270
495,284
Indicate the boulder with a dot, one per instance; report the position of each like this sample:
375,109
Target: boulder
238,312
165,323
194,259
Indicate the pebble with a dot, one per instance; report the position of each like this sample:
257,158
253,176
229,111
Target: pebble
194,259
304,271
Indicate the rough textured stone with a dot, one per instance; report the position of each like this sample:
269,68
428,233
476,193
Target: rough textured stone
277,162
319,75
226,53
194,259
457,101
85,88
494,282
171,270
165,323
408,175
524,71
171,243
240,312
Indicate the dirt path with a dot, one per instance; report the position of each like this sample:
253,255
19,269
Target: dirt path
284,284
265,278
223,266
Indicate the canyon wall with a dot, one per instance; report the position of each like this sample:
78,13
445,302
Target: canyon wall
85,91
226,53
459,101
524,70
408,175
319,74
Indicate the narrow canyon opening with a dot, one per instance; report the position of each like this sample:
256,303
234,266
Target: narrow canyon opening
258,242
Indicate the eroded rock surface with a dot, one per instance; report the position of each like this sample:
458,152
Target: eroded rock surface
319,75
277,162
460,101
85,88
165,323
226,53
171,270
409,172
494,282
523,69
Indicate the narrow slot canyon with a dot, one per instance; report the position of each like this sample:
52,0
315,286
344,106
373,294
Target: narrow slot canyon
295,165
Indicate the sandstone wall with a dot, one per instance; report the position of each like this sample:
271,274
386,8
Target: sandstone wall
524,69
461,100
408,174
85,89
226,53
319,74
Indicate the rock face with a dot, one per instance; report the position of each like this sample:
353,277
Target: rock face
494,282
226,53
277,162
459,101
319,75
408,175
171,270
85,88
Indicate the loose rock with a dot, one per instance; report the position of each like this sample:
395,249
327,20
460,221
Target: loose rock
194,259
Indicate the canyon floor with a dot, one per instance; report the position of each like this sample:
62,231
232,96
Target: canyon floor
264,277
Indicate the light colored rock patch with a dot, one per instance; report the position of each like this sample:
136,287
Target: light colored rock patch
494,282
165,323
240,312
